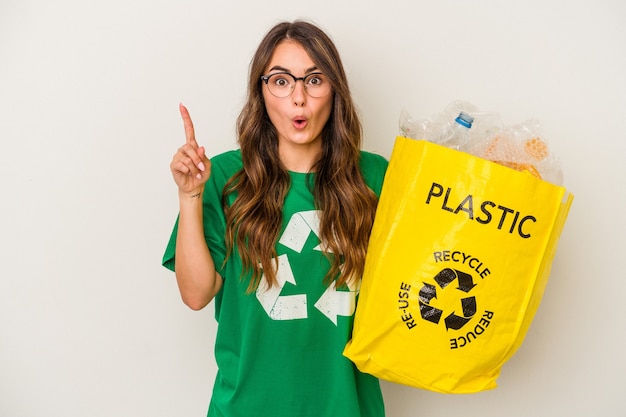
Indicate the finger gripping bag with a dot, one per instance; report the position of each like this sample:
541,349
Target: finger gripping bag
458,260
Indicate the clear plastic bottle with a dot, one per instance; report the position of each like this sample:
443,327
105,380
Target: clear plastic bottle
456,135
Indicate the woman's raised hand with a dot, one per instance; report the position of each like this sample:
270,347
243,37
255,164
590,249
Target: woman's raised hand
190,167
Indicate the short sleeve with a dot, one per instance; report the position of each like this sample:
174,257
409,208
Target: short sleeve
374,167
222,168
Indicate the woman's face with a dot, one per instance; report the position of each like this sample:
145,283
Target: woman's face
298,118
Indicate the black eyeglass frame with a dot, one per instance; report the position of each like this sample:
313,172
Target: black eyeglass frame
266,79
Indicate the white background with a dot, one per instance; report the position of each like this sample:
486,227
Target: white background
92,325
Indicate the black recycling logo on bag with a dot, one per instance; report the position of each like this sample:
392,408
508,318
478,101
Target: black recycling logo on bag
448,299
443,279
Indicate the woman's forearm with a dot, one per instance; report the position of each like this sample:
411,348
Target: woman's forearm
198,281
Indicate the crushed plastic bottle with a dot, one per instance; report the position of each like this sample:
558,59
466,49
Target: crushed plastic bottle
457,134
483,134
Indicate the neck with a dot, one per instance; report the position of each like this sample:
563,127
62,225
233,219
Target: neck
299,158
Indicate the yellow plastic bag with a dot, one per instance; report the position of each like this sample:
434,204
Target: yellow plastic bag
458,261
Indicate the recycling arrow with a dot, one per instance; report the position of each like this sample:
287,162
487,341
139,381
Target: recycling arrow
446,276
428,312
299,228
285,307
469,309
335,303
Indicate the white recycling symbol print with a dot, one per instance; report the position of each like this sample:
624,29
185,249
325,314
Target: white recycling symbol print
332,303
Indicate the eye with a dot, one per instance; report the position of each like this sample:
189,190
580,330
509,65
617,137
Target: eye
279,80
315,80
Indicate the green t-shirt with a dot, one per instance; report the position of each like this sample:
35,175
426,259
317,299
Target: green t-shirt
279,352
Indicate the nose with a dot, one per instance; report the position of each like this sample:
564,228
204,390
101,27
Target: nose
298,95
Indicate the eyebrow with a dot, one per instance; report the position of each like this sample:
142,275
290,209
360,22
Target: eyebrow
279,68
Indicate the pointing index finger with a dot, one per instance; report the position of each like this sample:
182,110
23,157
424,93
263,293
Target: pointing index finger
188,124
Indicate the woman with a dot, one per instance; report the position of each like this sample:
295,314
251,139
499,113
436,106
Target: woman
276,234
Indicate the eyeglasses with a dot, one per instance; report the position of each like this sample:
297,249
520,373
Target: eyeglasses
281,84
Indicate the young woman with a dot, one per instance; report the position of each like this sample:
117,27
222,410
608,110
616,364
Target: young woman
276,234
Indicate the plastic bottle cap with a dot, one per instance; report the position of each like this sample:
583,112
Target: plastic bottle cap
464,119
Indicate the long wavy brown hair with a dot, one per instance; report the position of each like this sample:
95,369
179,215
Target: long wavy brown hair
347,205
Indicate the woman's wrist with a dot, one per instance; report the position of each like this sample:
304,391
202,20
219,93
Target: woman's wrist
190,195
190,200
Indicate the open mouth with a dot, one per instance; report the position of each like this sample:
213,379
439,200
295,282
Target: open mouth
299,123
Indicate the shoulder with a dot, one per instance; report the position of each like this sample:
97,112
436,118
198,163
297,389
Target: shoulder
226,164
373,161
373,167
228,158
